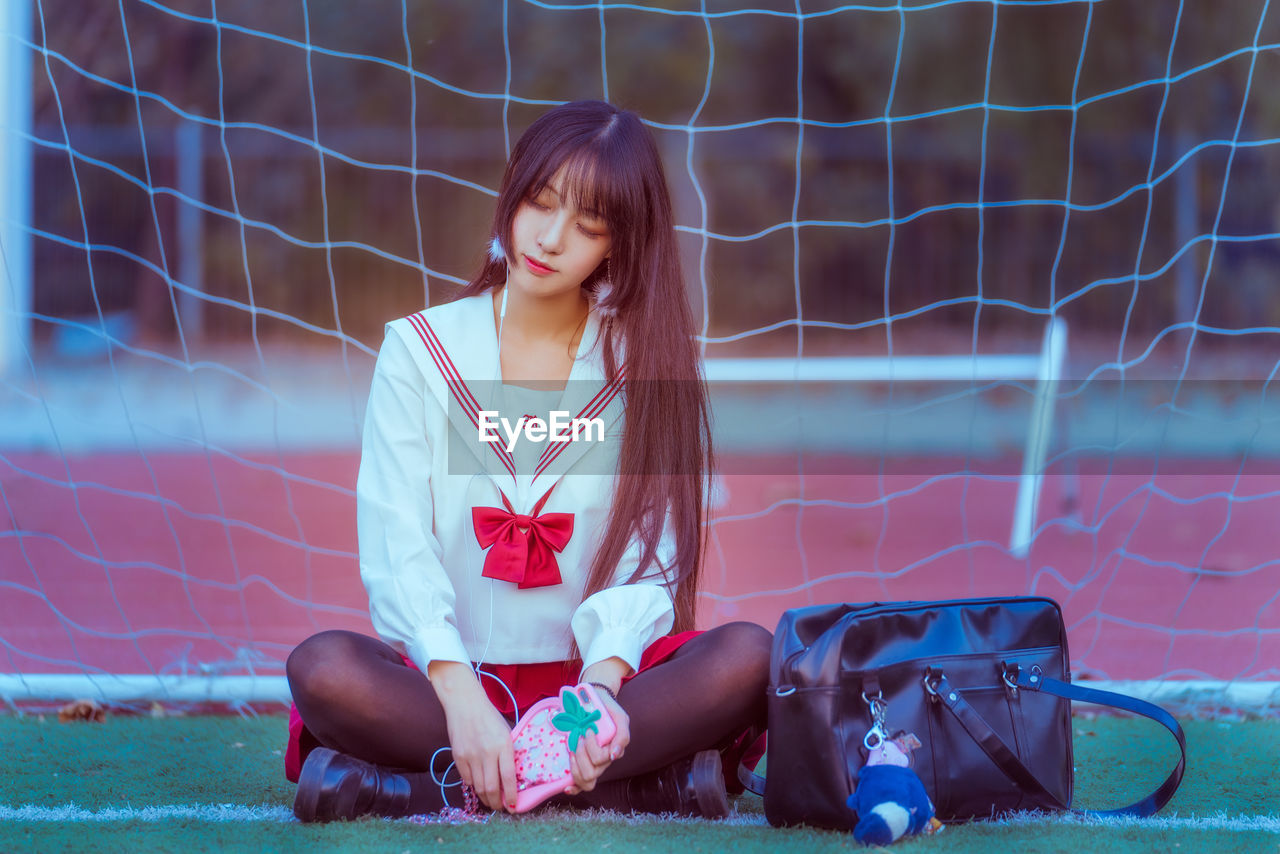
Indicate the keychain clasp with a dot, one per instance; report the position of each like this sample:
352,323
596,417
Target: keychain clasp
877,735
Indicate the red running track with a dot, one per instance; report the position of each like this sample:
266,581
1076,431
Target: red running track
182,562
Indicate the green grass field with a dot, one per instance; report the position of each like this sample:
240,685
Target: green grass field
117,786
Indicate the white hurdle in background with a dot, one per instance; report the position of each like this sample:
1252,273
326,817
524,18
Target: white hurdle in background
1045,368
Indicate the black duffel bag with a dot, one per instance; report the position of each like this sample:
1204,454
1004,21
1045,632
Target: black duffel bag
983,683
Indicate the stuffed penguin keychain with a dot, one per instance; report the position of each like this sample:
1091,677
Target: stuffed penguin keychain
889,799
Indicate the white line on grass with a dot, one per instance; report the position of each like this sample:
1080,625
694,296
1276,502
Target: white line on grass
1217,821
198,812
241,813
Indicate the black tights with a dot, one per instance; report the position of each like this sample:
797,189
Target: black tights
356,695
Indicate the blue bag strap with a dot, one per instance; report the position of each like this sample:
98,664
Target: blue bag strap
1007,761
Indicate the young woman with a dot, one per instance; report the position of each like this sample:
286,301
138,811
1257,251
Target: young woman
498,571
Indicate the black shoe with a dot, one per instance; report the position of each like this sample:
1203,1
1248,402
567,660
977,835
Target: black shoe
334,785
693,786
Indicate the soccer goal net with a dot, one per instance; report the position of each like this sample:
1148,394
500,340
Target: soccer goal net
986,292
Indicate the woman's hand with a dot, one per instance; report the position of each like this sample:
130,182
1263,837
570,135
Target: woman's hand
479,735
591,758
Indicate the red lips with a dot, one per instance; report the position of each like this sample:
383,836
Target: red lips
536,268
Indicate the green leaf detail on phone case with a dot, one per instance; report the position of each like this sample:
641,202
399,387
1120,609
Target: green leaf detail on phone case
575,720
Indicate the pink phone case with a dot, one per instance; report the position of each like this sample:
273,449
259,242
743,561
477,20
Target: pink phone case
547,733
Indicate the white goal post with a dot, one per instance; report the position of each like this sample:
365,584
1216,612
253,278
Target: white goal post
15,182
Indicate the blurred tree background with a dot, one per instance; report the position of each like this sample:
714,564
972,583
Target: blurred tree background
928,183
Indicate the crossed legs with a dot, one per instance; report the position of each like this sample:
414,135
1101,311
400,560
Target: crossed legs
356,696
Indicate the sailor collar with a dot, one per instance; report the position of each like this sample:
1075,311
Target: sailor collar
459,356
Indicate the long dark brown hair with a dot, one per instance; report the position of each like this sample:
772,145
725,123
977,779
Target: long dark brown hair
612,168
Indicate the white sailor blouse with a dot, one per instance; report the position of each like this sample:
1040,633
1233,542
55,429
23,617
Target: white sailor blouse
467,556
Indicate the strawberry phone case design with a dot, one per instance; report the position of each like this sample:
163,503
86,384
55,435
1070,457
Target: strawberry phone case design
547,733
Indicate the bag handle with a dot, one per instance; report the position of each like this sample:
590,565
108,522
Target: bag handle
993,745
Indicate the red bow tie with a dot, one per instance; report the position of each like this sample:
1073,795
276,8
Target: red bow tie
522,546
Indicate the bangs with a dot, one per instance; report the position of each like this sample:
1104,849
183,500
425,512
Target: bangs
593,182
607,167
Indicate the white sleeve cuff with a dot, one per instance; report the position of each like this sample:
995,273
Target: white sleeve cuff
621,621
611,643
442,644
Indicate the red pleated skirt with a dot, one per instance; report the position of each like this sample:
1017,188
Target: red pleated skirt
529,683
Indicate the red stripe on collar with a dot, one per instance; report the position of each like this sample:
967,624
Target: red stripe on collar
593,408
457,386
